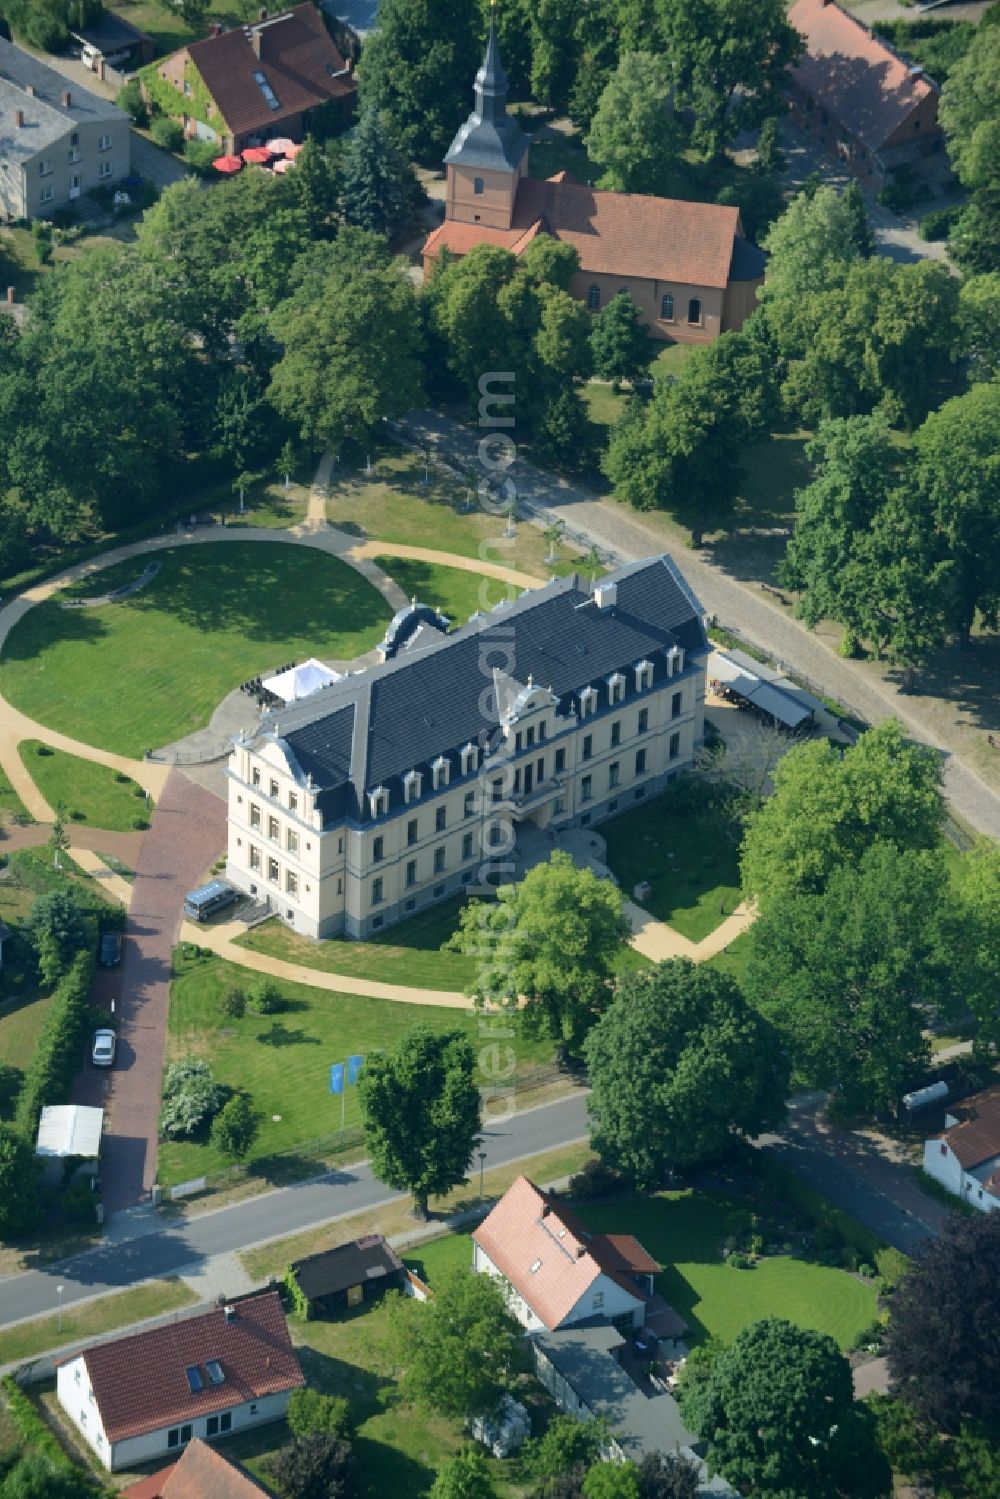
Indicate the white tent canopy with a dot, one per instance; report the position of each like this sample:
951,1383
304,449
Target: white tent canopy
300,681
70,1129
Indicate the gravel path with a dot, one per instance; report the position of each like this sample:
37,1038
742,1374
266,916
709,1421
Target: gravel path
621,535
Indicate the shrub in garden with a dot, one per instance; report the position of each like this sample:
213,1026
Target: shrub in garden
233,1003
43,750
167,133
191,1096
594,1179
308,1411
266,998
139,824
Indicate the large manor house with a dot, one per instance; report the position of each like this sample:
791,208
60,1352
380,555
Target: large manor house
401,784
686,266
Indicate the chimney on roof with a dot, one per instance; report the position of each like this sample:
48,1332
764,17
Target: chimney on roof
256,39
262,13
606,595
215,29
67,98
29,88
230,1312
19,118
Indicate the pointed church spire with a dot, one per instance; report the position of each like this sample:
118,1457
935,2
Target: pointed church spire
491,80
490,137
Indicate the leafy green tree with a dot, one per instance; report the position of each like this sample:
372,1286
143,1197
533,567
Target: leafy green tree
19,1204
562,342
679,1066
611,1480
970,110
979,319
45,23
317,1466
564,432
350,341
565,1444
781,1418
466,313
553,939
421,1112
830,805
850,975
238,418
974,243
943,1358
549,260
980,893
35,1476
58,840
770,157
464,1350
309,1410
464,1476
191,1096
760,199
853,200
314,188
555,51
958,478
635,135
58,929
620,345
236,1127
809,248
668,1475
377,185
598,38
287,463
865,549
418,69
729,60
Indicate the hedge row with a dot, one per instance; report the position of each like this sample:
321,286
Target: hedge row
33,1431
51,1070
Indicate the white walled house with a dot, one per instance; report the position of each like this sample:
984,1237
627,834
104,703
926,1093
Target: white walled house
965,1159
147,1396
400,785
556,1273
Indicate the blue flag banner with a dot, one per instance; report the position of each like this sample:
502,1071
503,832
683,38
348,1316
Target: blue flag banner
337,1078
354,1066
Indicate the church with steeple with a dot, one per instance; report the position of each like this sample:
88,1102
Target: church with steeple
687,266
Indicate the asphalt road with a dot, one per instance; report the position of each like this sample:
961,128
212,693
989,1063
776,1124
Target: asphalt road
165,1247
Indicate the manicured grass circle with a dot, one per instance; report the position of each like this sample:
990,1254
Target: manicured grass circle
138,674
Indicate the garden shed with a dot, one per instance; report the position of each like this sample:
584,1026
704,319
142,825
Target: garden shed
348,1274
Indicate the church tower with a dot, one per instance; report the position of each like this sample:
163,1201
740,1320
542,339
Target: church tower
489,155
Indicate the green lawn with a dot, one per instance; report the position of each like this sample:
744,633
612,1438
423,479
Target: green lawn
435,1258
21,1019
684,1231
457,594
283,1060
86,791
10,802
733,959
411,952
691,860
157,664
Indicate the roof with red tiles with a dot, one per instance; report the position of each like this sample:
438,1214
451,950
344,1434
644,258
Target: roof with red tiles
202,1473
976,1136
548,1255
619,234
848,71
298,58
140,1383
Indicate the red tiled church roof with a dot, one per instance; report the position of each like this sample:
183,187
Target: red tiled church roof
140,1384
619,234
858,79
529,1227
298,59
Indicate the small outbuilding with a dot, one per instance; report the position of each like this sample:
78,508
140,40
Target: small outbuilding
348,1274
69,1130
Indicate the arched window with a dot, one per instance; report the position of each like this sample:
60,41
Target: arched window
594,299
667,307
694,310
477,185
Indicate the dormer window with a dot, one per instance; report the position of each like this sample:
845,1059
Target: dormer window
412,782
675,660
643,676
378,801
439,771
616,687
588,701
470,759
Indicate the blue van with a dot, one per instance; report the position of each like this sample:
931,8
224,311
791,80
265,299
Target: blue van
202,903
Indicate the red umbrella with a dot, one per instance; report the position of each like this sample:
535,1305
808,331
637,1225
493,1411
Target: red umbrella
259,155
292,151
281,145
228,164
282,166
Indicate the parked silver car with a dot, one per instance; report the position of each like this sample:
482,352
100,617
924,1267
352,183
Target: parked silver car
103,1052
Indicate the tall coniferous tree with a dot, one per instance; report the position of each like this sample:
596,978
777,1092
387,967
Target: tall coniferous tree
377,185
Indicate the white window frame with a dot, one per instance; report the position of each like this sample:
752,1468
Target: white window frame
643,675
104,143
440,771
616,687
412,782
378,801
104,169
588,701
470,760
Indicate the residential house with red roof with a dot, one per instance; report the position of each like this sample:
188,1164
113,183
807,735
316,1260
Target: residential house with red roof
965,1158
147,1396
244,86
868,106
201,1473
559,1273
686,266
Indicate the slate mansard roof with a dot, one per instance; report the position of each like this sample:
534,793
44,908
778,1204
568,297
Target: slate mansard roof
372,727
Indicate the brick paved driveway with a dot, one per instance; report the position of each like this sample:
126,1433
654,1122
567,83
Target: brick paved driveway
187,832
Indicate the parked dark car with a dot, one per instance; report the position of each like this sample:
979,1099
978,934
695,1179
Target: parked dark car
111,949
